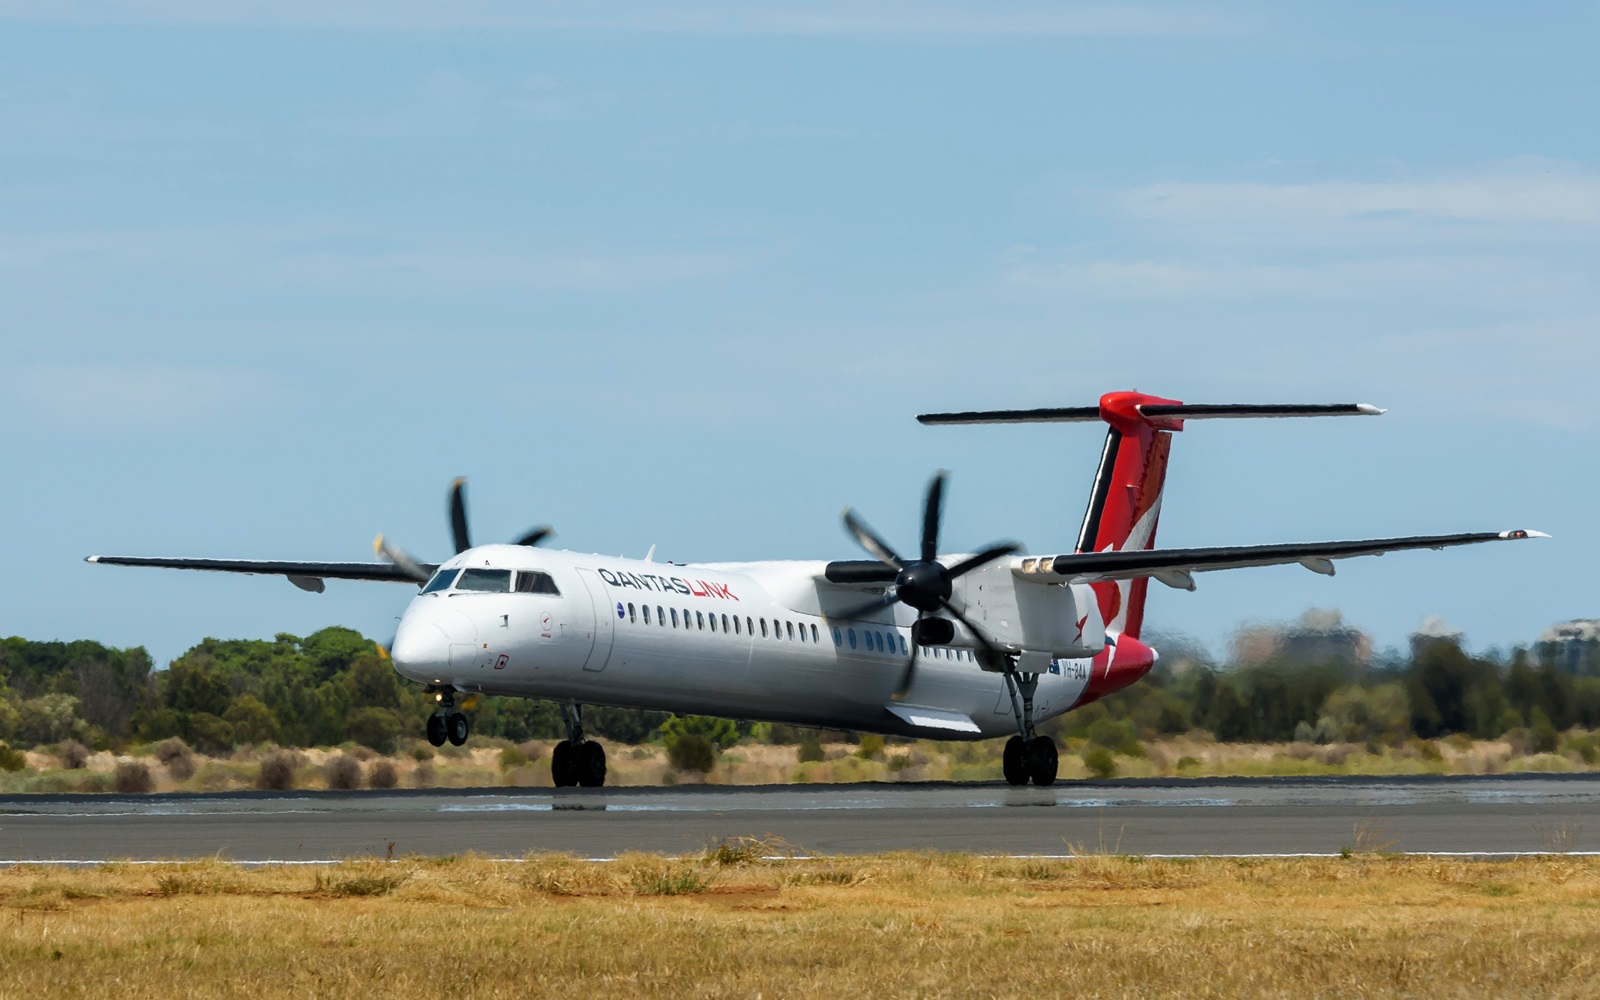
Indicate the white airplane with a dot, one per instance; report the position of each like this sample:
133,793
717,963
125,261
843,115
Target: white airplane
968,646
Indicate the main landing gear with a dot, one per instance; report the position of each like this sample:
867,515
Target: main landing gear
1028,756
446,723
576,760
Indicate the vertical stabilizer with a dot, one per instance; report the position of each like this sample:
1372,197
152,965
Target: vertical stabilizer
1125,501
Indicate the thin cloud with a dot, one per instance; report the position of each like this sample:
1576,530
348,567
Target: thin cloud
1524,200
881,19
124,399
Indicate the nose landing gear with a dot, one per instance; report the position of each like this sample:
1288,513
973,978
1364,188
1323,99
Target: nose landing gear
446,723
577,760
1028,756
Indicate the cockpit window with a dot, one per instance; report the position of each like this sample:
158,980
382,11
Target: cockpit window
487,581
531,581
441,581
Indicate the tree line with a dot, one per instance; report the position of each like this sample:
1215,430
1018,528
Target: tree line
333,687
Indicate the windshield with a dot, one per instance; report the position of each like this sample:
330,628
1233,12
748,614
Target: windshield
441,581
489,581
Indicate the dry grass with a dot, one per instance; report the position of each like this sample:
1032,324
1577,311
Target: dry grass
172,767
731,925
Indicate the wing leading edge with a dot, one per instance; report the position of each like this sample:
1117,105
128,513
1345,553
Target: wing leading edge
1174,566
305,575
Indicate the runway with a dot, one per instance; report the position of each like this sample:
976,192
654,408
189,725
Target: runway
1492,815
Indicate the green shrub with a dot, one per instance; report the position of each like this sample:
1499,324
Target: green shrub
691,752
871,747
512,758
811,748
1099,761
11,760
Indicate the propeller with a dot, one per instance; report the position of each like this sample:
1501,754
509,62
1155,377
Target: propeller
923,583
459,534
458,521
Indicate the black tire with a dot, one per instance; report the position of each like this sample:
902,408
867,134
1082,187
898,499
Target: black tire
1012,763
457,728
591,758
562,769
1042,760
436,729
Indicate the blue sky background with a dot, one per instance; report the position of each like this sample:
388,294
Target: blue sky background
271,274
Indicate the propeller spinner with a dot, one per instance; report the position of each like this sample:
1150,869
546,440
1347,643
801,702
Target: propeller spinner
923,583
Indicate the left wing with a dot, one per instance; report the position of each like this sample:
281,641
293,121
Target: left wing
305,575
1174,566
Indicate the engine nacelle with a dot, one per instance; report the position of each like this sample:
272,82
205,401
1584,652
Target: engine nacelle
1022,615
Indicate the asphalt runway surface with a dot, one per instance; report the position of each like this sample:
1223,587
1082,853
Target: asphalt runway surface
1494,815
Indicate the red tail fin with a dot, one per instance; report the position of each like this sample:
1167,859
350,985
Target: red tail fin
1126,501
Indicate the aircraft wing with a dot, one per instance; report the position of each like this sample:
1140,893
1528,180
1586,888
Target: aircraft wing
305,575
1174,566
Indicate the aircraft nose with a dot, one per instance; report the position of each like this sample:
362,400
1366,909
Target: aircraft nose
420,651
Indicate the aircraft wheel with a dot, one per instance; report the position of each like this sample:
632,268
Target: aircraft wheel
436,729
457,728
1012,763
591,760
1041,760
563,770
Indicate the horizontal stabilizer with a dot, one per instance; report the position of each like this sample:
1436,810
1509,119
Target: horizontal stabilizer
1090,567
296,571
1179,411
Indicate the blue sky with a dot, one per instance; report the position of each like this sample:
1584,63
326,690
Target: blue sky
271,274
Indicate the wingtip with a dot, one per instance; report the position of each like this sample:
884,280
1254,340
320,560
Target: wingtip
91,559
1524,533
1369,410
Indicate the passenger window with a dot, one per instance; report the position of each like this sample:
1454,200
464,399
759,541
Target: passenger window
777,629
736,625
838,640
485,581
531,581
852,634
631,619
699,622
646,609
814,637
763,628
789,626
749,626
441,581
711,621
674,617
661,617
724,624
904,649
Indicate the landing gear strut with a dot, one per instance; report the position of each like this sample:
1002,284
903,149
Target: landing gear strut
1028,756
446,723
577,760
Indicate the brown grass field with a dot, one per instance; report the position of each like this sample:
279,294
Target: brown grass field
731,925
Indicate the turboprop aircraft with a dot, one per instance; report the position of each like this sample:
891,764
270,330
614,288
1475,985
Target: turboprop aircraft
966,646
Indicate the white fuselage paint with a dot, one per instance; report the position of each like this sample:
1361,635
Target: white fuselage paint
738,642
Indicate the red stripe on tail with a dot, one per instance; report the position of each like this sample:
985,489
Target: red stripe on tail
1126,504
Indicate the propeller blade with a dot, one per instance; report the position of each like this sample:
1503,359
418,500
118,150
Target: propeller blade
536,536
458,515
988,555
932,510
401,558
876,604
904,687
988,647
869,540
